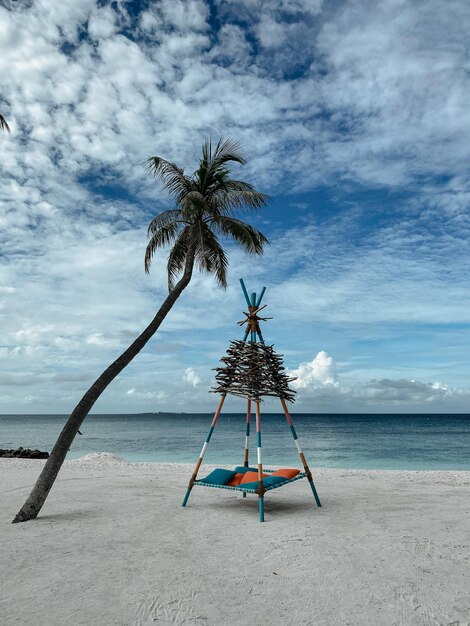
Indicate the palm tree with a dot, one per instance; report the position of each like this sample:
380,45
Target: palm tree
204,206
4,124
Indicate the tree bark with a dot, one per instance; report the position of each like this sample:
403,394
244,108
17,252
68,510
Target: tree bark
41,489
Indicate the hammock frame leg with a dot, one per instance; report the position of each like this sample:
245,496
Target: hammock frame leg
247,438
260,490
301,454
261,508
204,447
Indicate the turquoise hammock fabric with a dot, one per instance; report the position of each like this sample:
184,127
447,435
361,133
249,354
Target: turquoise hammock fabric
251,487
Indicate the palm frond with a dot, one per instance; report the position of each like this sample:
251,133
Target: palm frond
235,195
162,237
163,219
225,150
4,124
174,179
248,237
213,161
177,258
228,150
210,256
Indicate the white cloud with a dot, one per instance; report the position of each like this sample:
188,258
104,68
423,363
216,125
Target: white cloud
439,386
319,391
357,93
100,340
320,370
191,377
145,396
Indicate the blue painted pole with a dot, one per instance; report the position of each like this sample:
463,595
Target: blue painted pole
261,509
260,297
260,489
260,336
246,335
245,292
315,494
186,497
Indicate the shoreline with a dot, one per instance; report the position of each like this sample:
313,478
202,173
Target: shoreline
113,545
97,460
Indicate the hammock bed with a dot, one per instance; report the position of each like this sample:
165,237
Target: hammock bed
252,370
252,489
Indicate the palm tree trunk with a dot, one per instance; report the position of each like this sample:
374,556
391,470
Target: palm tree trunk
38,495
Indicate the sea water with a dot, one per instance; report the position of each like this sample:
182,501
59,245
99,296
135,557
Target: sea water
341,441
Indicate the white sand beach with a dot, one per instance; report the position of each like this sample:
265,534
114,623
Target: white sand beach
113,545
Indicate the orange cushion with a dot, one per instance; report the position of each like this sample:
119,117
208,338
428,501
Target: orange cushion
235,481
250,477
286,473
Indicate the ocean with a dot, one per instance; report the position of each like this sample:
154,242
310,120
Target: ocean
414,442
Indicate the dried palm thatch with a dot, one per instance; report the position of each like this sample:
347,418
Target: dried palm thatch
253,370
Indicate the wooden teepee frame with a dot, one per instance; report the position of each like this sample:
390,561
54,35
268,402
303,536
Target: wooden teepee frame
252,370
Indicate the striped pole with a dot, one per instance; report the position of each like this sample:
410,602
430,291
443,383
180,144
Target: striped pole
247,438
260,491
301,454
204,447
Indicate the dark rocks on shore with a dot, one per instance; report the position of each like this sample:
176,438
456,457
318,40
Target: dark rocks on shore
22,453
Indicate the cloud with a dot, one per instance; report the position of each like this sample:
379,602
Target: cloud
404,392
99,340
18,380
407,271
352,95
191,377
146,396
321,370
317,386
367,105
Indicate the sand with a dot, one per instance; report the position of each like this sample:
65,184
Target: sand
114,546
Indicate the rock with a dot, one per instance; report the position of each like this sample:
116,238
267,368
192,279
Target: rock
21,453
37,454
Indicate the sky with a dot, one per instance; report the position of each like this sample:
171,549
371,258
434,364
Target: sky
354,117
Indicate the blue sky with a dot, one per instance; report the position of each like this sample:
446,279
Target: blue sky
354,117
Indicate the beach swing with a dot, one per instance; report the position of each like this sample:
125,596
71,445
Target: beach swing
251,370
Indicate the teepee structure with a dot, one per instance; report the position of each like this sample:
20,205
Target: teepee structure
251,370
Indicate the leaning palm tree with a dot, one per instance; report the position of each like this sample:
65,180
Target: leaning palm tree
205,203
4,124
